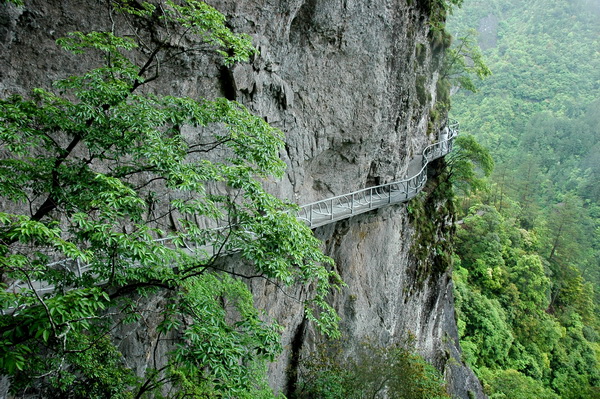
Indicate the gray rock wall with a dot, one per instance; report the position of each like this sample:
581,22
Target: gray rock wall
351,83
338,77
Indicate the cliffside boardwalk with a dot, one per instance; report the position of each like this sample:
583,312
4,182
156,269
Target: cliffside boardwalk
347,205
329,210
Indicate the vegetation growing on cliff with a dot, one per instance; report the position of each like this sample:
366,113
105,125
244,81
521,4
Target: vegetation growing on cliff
528,248
394,372
433,232
111,198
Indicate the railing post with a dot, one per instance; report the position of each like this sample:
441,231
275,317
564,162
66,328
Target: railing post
331,204
352,205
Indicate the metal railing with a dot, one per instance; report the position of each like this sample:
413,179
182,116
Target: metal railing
343,206
315,214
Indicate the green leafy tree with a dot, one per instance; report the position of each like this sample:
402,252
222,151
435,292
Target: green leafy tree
527,189
513,319
438,10
564,230
486,337
113,195
530,279
480,242
469,164
463,61
574,362
505,384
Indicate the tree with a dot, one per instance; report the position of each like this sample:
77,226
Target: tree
527,189
486,337
530,279
542,138
480,241
116,196
510,383
564,229
439,9
463,61
469,164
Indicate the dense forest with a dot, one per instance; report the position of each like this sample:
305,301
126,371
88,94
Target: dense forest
527,269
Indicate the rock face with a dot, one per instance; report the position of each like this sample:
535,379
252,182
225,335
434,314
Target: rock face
352,83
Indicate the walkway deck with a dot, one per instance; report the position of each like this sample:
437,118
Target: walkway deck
340,207
344,206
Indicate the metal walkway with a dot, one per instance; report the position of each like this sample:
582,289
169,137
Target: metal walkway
344,206
321,212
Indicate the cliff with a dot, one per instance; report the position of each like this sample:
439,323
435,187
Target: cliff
352,84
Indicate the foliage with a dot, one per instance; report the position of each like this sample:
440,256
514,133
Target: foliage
433,235
513,318
511,384
439,9
127,195
483,327
538,115
375,372
463,61
470,163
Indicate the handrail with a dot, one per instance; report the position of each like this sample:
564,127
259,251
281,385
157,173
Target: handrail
332,209
343,206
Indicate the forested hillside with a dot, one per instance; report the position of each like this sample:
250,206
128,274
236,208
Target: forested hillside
527,256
